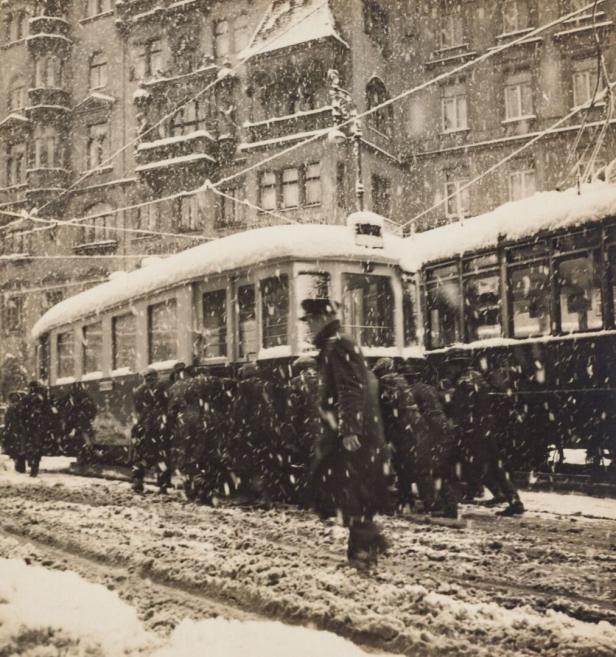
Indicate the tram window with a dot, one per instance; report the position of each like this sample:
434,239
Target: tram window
482,307
247,320
443,300
409,308
309,285
275,310
579,290
124,340
368,304
162,331
215,323
66,358
481,262
583,239
92,347
530,288
528,251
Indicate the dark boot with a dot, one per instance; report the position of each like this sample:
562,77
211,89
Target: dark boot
516,508
34,467
363,546
137,476
20,464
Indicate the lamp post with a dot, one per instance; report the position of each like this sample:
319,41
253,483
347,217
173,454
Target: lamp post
344,114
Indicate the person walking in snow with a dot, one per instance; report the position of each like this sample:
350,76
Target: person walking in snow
149,433
38,421
14,431
77,411
472,414
351,475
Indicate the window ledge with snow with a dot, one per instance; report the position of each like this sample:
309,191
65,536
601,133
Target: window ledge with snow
288,117
281,351
161,365
582,28
121,371
514,33
90,19
179,139
518,119
92,376
12,43
456,131
108,168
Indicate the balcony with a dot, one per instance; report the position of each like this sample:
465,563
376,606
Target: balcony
177,158
49,34
286,128
47,104
45,184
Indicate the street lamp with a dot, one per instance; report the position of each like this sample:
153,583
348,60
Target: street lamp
344,114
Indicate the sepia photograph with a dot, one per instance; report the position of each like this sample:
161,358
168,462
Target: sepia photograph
307,328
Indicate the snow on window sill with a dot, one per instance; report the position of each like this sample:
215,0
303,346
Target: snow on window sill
161,365
447,50
13,43
380,352
455,131
108,168
517,119
280,351
586,104
214,360
89,19
64,380
514,33
14,188
92,376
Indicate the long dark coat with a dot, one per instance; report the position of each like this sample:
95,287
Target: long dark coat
150,432
38,420
14,431
352,482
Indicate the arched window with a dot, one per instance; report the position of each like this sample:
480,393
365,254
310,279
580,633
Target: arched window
8,27
17,94
48,72
46,147
382,119
99,228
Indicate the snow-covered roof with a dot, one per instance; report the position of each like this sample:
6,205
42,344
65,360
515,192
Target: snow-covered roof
544,211
240,250
291,22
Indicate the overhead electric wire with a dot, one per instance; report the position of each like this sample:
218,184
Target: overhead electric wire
490,53
515,153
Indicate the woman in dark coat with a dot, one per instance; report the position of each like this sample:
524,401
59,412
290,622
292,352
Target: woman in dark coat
351,474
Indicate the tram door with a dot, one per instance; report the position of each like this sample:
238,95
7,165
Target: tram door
245,320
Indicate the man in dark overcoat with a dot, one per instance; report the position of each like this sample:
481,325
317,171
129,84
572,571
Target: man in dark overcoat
77,412
38,421
472,412
14,431
150,432
351,475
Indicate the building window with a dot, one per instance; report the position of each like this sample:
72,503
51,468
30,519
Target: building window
409,311
482,306
312,184
46,154
162,331
381,195
515,16
92,347
15,164
214,324
376,24
65,346
147,217
290,188
99,224
521,184
267,191
98,70
579,293
149,58
222,41
380,120
584,81
452,28
13,313
48,72
231,207
124,341
458,203
453,107
368,304
190,118
96,7
17,94
519,97
20,26
98,145
187,214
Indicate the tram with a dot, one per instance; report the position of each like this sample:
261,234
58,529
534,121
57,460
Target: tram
529,289
222,303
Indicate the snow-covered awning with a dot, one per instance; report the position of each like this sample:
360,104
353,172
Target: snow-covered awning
544,211
290,23
240,250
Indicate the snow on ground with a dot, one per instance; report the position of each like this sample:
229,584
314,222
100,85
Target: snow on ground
64,612
570,505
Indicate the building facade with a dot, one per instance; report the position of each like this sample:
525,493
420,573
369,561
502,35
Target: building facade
108,107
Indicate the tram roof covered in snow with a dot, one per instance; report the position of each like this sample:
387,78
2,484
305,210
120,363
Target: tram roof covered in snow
544,211
238,251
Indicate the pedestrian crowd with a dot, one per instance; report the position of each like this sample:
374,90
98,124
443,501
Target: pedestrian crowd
337,436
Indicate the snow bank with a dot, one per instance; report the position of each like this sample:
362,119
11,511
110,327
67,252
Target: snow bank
541,212
230,638
34,598
248,248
